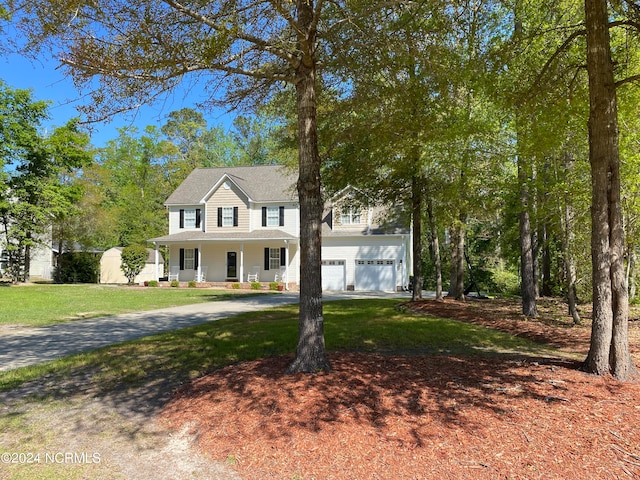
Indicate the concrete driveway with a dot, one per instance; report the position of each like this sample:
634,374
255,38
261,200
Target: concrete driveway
30,346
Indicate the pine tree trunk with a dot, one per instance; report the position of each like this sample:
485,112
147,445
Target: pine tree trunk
527,271
547,290
567,256
567,240
435,247
310,353
456,276
609,349
631,272
416,215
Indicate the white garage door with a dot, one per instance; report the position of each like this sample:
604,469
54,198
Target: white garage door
375,275
333,275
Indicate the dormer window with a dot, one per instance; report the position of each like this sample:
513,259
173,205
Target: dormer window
350,216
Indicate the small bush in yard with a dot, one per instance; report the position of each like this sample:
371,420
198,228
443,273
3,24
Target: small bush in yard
192,284
273,285
175,283
133,259
256,285
235,286
153,283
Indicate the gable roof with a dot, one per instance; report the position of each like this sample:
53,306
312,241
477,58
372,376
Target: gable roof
267,183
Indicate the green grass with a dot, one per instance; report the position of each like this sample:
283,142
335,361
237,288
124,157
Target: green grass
39,305
360,325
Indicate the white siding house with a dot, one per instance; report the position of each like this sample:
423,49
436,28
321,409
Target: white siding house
242,223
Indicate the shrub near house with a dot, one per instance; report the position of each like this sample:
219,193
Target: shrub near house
134,258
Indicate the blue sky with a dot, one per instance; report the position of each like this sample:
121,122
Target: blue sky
49,83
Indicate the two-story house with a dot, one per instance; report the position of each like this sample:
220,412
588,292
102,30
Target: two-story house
239,224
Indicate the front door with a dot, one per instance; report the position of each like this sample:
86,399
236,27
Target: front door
232,265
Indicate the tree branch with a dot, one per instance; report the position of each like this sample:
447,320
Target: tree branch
277,4
258,42
625,23
565,45
632,78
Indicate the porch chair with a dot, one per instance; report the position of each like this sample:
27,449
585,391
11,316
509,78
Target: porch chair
174,273
281,276
203,275
254,274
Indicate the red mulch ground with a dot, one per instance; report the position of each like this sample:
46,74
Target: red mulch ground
421,417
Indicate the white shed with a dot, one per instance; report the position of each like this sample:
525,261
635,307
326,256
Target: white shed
111,271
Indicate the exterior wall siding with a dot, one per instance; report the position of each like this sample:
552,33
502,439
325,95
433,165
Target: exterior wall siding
337,225
227,197
291,218
174,218
367,248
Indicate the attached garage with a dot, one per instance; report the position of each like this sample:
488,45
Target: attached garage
377,274
334,275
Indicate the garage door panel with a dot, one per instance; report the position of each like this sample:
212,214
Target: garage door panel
375,274
333,275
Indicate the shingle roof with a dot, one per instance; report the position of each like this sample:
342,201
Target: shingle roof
269,183
197,235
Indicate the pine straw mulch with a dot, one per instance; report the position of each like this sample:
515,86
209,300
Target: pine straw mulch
423,416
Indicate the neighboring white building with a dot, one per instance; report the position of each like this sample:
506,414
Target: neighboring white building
111,271
42,259
238,222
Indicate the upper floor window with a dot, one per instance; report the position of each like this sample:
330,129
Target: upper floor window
190,218
227,216
273,216
350,216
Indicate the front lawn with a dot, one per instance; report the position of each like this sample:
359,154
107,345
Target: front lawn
353,325
405,388
37,305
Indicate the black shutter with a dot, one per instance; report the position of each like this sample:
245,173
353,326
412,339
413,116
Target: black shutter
282,216
197,218
195,258
283,253
182,259
219,216
182,218
235,216
264,216
266,258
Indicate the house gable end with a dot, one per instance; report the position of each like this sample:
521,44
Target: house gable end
227,183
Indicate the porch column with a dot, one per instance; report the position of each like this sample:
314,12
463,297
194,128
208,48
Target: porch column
241,271
286,265
199,271
157,260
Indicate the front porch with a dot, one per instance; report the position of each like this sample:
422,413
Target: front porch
229,285
225,262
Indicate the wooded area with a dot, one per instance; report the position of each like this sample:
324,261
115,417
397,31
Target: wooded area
486,122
